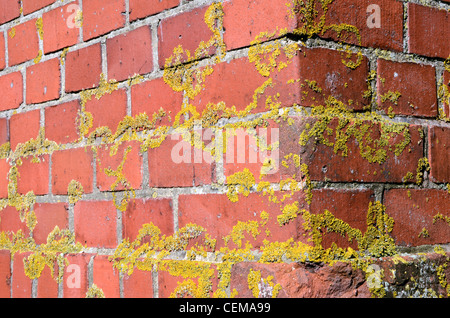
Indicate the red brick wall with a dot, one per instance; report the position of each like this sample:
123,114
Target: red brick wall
127,145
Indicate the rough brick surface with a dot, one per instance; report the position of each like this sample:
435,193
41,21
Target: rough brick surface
34,176
142,8
23,127
5,274
34,5
100,17
60,122
9,10
12,88
439,153
43,82
83,68
23,42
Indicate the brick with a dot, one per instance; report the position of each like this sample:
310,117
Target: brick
150,96
23,127
61,122
187,29
389,34
106,277
9,10
33,176
325,164
11,221
138,285
428,30
21,284
49,215
130,54
72,164
108,111
30,6
88,223
75,278
59,28
218,215
3,131
439,153
143,8
131,169
43,82
4,170
47,286
144,211
446,102
83,68
415,82
5,274
24,45
244,20
11,86
174,164
413,210
2,52
100,17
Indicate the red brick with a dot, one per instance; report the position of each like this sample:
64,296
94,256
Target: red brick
11,86
33,176
5,274
187,29
218,215
57,27
446,103
138,285
3,131
9,10
11,221
131,169
2,52
109,110
75,279
72,164
388,36
87,223
413,210
143,8
100,17
83,68
150,96
61,122
144,211
428,30
325,164
439,153
34,5
49,215
106,277
21,284
47,286
245,20
415,82
24,45
130,54
173,164
23,127
43,82
4,170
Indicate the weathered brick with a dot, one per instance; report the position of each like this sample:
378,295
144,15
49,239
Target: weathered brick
100,17
72,164
61,122
143,8
428,31
75,278
4,170
9,10
2,52
3,131
11,86
106,277
83,68
30,6
23,42
11,221
43,82
5,274
415,83
49,215
33,176
59,28
414,210
130,54
87,224
439,153
138,285
21,284
144,211
23,127
47,286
